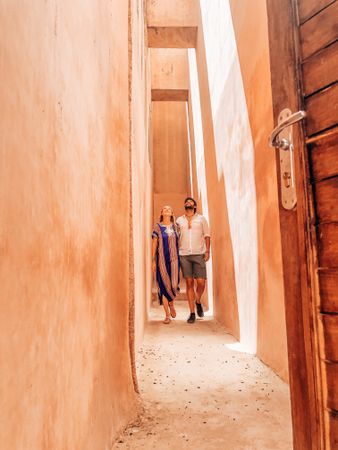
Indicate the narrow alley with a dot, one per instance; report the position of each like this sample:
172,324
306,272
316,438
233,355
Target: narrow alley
200,391
180,151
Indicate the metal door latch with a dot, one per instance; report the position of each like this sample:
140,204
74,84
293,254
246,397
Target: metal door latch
282,138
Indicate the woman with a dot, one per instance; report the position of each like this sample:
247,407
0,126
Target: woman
166,261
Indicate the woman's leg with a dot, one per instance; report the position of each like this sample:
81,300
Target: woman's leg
172,308
166,309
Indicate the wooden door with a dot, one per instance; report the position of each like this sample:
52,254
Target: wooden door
303,37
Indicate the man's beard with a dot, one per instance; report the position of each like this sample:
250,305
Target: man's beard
186,207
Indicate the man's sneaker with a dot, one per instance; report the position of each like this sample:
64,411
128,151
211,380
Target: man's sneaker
192,318
199,310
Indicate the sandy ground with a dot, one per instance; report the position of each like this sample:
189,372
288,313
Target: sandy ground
199,392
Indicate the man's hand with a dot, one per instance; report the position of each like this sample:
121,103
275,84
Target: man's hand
206,256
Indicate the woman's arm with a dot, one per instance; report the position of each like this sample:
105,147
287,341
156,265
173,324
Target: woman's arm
153,253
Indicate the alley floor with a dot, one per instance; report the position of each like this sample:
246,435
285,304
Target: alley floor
200,392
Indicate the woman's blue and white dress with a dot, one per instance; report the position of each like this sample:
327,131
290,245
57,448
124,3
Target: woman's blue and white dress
167,261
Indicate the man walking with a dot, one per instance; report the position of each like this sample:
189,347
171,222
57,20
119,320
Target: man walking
194,249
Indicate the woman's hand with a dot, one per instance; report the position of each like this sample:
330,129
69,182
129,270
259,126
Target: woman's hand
206,256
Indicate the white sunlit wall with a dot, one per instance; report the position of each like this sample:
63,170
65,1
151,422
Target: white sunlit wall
199,155
234,155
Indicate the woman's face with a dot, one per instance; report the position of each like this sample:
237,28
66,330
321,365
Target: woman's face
167,211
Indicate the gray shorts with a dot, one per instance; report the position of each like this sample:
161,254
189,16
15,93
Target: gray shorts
193,266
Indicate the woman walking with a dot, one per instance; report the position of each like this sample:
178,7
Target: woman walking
166,265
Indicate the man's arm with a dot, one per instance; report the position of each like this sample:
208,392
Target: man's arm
206,233
207,252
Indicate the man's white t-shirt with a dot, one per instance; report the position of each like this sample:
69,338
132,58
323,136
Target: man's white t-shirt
192,240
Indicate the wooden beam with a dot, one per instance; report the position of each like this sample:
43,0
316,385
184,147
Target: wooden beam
172,37
163,95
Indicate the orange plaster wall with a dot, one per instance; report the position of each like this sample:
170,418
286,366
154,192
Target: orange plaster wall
166,13
170,153
64,218
250,25
169,69
141,170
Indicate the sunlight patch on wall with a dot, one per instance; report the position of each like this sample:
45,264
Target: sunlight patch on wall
234,156
191,184
199,154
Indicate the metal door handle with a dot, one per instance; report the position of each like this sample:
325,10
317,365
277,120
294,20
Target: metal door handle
282,138
284,144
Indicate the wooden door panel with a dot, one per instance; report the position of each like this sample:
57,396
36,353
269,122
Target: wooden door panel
326,193
330,328
333,421
321,69
328,245
319,50
313,55
322,110
323,157
332,385
308,8
328,285
319,31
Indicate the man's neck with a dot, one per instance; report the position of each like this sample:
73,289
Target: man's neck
189,213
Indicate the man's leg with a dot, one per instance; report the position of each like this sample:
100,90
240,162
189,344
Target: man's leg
199,292
200,274
187,270
200,288
190,293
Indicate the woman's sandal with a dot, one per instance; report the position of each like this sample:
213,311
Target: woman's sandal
166,320
172,310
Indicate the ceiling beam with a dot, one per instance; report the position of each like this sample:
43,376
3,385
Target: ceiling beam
172,37
163,95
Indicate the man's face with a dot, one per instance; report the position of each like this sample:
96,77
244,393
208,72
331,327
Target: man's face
189,205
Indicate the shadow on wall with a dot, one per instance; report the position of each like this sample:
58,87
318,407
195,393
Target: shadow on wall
229,159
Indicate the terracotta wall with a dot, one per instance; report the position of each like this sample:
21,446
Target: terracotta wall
141,169
237,119
167,13
250,27
64,224
171,157
169,69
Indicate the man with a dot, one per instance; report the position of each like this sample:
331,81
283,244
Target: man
194,250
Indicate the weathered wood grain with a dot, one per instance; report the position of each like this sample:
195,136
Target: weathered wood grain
328,245
322,110
328,286
323,155
330,328
321,69
326,194
308,8
332,385
333,425
319,31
